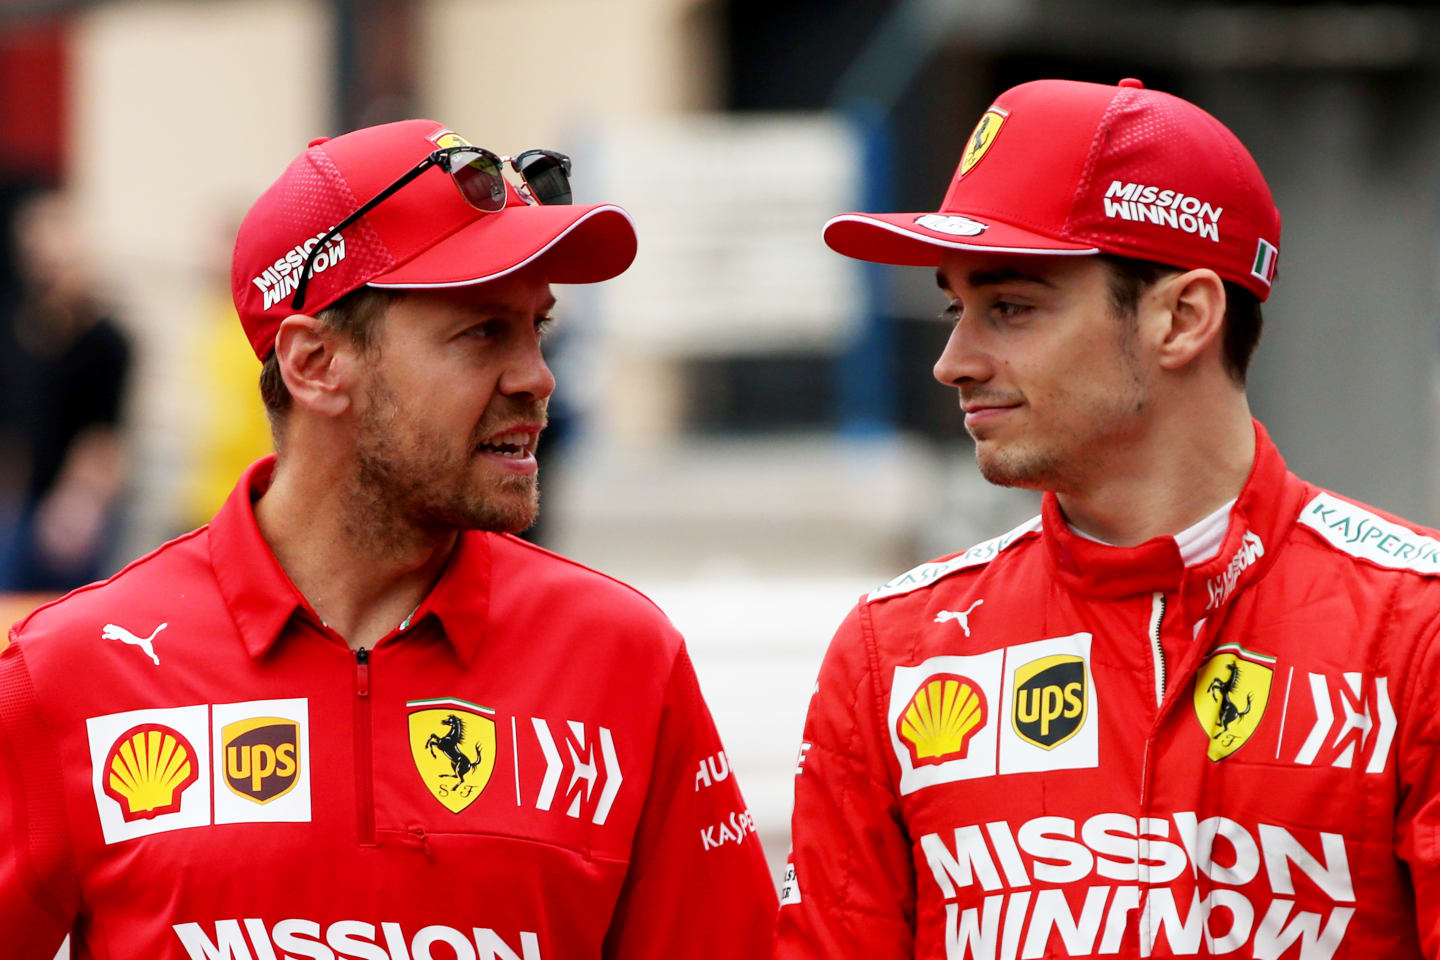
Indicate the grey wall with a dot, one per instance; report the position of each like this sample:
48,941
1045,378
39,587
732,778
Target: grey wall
1345,374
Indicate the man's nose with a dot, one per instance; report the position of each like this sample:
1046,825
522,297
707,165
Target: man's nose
961,360
529,374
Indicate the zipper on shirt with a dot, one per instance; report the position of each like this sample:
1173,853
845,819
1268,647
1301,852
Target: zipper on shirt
1157,653
364,776
1157,616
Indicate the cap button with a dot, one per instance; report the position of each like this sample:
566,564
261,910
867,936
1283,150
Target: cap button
319,140
1132,83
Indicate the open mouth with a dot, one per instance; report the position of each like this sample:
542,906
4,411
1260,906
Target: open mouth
516,445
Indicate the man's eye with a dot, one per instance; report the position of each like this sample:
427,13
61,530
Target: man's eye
1007,310
951,313
543,325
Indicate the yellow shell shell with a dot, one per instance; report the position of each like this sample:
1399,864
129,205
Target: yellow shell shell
940,719
148,768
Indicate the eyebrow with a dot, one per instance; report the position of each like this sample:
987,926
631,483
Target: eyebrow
990,278
505,309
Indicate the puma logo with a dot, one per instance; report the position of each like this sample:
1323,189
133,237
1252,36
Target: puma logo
111,632
963,616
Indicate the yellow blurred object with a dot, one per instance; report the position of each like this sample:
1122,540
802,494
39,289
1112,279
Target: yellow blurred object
232,429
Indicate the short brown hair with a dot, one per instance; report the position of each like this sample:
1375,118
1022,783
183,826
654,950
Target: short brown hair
355,316
1129,278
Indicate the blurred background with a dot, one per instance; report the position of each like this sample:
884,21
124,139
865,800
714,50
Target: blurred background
748,428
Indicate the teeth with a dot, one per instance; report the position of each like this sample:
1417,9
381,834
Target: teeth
514,445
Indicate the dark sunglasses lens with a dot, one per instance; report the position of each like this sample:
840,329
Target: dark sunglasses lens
479,178
547,176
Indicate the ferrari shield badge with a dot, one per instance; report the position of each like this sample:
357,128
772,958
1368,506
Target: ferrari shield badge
453,744
985,132
1231,691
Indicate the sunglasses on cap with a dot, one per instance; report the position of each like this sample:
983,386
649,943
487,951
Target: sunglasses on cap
479,176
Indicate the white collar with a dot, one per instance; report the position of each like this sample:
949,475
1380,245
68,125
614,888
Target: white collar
1197,543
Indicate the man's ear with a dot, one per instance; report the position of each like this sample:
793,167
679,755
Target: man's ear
317,367
1193,306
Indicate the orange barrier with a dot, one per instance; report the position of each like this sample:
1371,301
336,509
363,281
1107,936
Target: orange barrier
14,607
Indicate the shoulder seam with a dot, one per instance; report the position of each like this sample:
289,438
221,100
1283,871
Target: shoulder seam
17,628
536,548
927,574
877,698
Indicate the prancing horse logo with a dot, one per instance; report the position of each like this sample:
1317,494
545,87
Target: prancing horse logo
450,746
979,143
452,742
112,632
1222,689
1230,676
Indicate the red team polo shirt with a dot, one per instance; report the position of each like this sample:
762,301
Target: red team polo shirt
198,768
1048,747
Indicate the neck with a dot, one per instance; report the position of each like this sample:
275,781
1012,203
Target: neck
362,577
1168,478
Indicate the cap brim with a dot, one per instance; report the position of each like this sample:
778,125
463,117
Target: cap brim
571,244
900,238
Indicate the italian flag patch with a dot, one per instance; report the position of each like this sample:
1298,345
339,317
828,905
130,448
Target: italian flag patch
1267,255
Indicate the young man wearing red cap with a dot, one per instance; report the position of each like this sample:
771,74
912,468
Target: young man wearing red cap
1187,710
354,717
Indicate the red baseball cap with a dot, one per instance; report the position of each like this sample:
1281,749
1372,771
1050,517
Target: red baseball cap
424,236
1062,167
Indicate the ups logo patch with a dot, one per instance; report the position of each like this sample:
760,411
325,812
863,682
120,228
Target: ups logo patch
261,757
1050,700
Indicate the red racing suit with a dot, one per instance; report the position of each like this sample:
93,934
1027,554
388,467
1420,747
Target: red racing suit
193,766
1049,747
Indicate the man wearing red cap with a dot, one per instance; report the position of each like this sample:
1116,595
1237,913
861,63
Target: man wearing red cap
1187,710
354,718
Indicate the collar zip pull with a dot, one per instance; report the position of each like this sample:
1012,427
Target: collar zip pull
362,672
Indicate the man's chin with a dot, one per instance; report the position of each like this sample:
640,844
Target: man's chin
511,509
1007,468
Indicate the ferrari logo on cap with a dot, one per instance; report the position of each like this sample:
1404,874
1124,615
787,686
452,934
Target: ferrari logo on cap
1231,691
985,133
449,138
453,744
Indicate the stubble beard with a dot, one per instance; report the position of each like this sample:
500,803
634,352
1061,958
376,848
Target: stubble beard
1025,469
409,482
1073,457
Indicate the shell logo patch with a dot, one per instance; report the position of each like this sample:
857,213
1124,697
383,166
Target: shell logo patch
1231,691
1050,700
148,770
941,717
980,140
452,742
